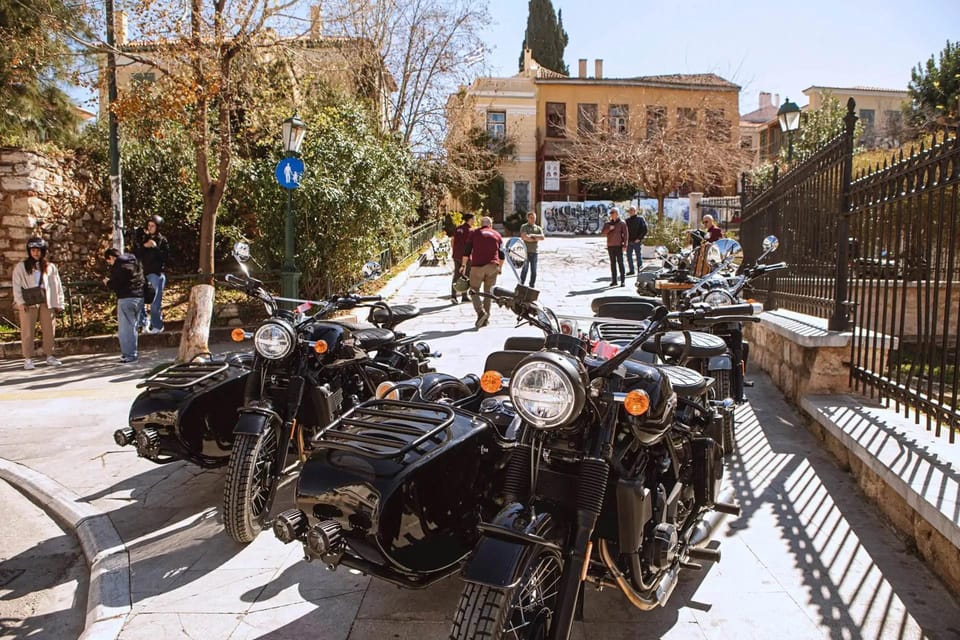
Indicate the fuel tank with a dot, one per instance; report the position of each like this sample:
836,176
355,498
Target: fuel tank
406,481
652,424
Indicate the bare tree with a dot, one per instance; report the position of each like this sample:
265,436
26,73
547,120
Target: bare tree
429,46
657,160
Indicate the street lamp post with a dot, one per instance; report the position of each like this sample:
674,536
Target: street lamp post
789,117
289,172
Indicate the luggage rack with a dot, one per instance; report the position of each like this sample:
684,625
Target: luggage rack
613,331
387,428
183,375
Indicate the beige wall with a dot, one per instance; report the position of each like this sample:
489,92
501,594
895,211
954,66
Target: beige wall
882,103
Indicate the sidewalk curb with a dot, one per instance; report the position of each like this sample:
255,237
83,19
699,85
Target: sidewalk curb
108,594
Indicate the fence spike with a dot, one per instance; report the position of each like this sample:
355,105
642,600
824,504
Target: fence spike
923,145
884,164
901,154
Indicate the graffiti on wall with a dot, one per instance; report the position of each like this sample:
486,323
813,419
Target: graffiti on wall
586,218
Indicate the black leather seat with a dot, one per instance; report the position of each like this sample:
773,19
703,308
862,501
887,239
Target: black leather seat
397,314
634,310
602,300
672,344
523,343
373,338
685,382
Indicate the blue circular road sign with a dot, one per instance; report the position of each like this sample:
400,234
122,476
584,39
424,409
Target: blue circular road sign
289,172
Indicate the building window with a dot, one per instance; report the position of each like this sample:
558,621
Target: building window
686,117
497,125
764,144
556,119
656,120
746,142
718,127
521,196
868,117
586,119
617,117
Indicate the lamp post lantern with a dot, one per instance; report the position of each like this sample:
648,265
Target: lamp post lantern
288,173
789,117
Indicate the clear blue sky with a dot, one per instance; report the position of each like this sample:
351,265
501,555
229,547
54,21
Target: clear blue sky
780,47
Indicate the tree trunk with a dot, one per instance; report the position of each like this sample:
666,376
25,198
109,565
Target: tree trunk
196,325
660,211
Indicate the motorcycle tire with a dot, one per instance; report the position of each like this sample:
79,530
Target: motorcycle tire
250,484
488,613
724,391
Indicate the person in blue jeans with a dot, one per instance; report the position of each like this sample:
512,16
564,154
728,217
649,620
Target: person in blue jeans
532,235
151,249
636,232
126,280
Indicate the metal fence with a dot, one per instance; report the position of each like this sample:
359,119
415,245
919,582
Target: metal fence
877,255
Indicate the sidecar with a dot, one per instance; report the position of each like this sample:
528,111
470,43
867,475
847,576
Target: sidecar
188,411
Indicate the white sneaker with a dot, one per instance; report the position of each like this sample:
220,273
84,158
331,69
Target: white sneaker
28,364
53,362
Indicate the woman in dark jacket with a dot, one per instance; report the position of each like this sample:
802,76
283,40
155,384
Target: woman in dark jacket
126,280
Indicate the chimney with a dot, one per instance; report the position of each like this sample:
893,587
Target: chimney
316,21
598,68
765,99
120,28
583,68
527,60
776,99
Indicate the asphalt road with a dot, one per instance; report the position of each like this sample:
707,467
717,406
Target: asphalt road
807,559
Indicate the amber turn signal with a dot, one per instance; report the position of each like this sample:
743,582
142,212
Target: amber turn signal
637,402
320,346
491,381
238,334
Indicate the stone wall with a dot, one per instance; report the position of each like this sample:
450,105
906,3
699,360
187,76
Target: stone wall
59,198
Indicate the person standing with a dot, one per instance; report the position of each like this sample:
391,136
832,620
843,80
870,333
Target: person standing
151,249
615,230
636,232
484,250
37,294
532,235
126,280
460,237
714,232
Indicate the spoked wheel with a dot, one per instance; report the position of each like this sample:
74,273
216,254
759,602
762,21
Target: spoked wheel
251,481
724,391
521,613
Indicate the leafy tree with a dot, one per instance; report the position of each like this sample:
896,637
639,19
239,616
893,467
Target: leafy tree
35,59
817,128
935,89
545,36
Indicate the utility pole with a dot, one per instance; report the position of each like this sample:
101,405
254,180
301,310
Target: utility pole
116,187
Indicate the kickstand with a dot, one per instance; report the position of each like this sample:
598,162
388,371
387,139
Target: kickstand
578,613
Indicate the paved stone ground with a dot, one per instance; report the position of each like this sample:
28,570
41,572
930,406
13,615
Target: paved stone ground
808,558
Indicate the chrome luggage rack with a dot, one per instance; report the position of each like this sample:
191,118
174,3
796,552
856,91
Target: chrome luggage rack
387,428
183,375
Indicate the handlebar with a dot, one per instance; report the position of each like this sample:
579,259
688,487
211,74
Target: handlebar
365,299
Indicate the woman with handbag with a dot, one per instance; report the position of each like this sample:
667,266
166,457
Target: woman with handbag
37,293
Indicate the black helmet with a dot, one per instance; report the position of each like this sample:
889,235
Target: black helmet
157,220
37,243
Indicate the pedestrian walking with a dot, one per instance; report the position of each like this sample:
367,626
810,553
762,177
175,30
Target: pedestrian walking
151,249
460,237
37,295
636,232
484,251
532,235
127,281
615,230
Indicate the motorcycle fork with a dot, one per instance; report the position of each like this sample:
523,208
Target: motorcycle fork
594,472
290,426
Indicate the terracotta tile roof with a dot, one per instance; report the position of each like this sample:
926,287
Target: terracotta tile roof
856,88
761,115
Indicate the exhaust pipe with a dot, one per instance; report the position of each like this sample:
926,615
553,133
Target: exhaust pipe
663,589
703,530
124,437
148,443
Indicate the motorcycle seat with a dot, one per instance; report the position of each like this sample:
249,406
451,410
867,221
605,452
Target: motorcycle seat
373,338
397,314
685,382
523,343
633,310
702,345
596,303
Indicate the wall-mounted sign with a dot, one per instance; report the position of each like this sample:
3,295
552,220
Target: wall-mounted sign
551,175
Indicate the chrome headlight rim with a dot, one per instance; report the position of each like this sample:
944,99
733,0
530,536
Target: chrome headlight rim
274,340
718,297
553,382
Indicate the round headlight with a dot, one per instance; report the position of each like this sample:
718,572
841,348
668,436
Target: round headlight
546,391
274,340
718,297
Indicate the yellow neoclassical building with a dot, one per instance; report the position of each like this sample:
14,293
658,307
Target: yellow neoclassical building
542,110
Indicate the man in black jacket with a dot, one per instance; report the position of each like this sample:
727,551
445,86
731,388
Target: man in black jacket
636,231
126,280
151,249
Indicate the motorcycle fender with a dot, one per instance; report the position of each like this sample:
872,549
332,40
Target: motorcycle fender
253,423
720,363
499,560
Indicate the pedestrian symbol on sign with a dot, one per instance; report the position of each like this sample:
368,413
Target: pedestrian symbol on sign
289,172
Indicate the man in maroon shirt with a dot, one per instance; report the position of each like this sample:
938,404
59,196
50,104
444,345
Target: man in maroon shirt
616,231
460,236
485,253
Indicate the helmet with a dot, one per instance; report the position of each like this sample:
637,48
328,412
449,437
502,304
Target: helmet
37,243
461,285
155,219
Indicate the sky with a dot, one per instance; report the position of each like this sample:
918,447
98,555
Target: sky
779,47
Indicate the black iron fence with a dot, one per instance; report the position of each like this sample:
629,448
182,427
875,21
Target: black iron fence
877,255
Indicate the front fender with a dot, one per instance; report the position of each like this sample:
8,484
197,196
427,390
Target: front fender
500,556
253,421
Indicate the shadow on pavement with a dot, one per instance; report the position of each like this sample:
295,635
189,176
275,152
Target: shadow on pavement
75,368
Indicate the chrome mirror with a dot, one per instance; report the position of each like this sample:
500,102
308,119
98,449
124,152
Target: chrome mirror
661,252
516,252
241,251
724,249
770,244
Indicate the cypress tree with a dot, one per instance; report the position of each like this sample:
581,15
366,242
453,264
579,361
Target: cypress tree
545,36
